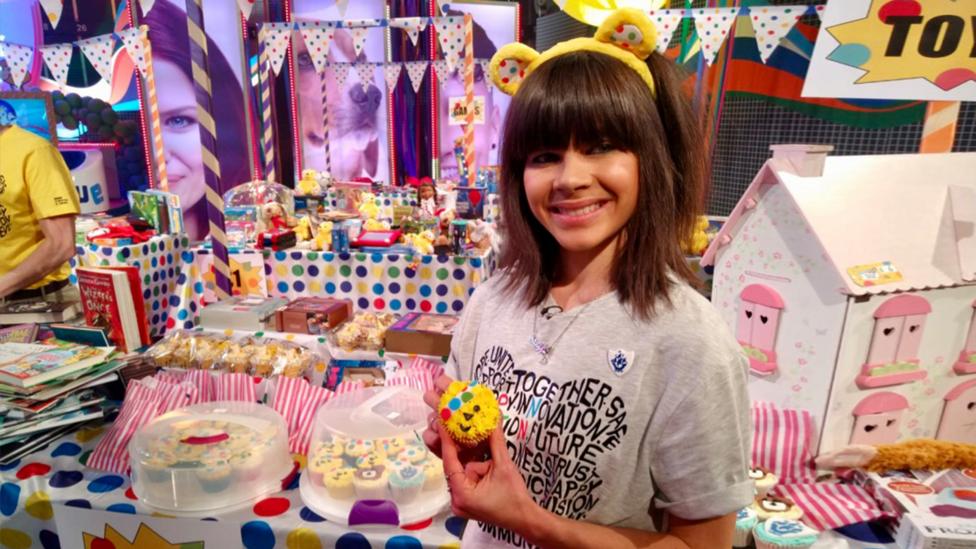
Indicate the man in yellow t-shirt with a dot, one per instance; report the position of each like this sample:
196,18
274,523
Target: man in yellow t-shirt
38,205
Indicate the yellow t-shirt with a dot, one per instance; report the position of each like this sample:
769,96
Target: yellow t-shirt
34,184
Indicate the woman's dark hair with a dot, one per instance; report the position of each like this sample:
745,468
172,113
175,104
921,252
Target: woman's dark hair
586,98
171,42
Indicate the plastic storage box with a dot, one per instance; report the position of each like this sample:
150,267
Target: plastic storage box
210,456
367,463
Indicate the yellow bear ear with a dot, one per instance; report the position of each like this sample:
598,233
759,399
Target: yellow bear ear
509,66
629,29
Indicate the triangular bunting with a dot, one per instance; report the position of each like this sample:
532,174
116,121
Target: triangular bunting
341,71
99,51
246,6
276,37
450,34
713,26
442,70
132,38
416,70
317,35
342,5
52,9
57,57
366,71
440,5
771,24
485,64
358,39
666,22
391,73
19,60
413,26
356,23
146,5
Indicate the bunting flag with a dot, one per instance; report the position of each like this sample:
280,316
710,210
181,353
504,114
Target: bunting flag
57,57
98,50
132,39
442,70
52,9
246,6
365,71
358,23
341,71
485,63
391,73
713,26
342,5
146,5
317,35
358,38
450,34
771,23
413,26
276,37
666,22
416,71
19,60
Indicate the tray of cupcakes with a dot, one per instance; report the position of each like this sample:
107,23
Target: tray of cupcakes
210,457
367,463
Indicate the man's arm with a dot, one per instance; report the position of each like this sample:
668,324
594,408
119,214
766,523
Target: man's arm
57,247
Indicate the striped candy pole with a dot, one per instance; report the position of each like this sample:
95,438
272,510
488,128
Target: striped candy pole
939,130
208,144
157,129
325,123
469,97
267,126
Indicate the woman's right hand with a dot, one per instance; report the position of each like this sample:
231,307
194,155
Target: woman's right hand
432,398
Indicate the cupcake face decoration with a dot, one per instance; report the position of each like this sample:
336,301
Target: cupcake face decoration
469,412
340,475
370,460
757,473
372,473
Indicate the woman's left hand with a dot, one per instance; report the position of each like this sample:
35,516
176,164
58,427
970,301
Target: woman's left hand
489,491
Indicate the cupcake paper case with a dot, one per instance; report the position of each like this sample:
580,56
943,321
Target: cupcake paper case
469,412
745,521
784,534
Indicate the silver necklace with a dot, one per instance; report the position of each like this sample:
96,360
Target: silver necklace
545,349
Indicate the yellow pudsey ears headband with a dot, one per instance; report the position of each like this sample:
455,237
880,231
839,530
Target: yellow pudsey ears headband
627,35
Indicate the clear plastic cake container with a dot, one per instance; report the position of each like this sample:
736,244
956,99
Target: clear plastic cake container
208,457
367,463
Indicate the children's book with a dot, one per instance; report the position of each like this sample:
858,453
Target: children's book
49,363
109,301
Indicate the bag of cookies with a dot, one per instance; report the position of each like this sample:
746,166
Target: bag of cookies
208,350
173,351
237,358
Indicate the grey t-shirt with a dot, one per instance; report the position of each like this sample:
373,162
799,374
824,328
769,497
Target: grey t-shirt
627,419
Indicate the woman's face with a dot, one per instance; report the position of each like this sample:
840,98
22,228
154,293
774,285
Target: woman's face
181,134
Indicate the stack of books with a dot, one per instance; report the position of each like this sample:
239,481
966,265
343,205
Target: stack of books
160,209
48,390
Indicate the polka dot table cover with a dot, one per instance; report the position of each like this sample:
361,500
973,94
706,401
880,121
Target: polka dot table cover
160,262
57,475
705,274
383,199
493,207
379,282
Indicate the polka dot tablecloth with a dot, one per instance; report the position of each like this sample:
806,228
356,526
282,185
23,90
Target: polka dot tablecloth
57,475
379,282
705,274
384,199
492,208
160,262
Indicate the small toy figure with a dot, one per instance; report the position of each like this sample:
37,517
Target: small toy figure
308,185
305,229
367,206
427,194
482,234
272,216
323,237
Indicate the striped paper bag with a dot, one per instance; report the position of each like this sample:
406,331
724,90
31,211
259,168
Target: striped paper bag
203,380
436,369
298,401
140,406
235,387
174,395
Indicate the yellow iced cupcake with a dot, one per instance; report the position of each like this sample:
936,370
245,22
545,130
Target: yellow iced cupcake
321,465
370,460
339,482
358,447
469,412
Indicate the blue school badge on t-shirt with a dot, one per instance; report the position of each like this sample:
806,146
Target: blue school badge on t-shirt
620,360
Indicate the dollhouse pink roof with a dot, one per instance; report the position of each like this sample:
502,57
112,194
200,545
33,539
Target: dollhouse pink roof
903,305
912,210
878,403
761,294
960,389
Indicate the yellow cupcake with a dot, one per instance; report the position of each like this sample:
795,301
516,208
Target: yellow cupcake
339,482
469,412
370,460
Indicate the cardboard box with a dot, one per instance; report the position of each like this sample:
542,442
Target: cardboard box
247,313
421,334
313,315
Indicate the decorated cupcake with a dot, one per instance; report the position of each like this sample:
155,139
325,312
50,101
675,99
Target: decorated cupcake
433,475
323,464
336,448
413,453
215,478
370,460
784,534
406,483
772,507
358,447
745,521
764,480
370,483
469,412
392,446
339,482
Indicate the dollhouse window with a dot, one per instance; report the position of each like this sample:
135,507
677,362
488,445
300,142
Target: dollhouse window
877,418
967,358
757,325
958,422
893,355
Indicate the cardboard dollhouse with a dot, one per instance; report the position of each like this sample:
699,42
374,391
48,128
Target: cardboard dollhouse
850,283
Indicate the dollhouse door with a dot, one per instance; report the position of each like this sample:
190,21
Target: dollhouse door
958,422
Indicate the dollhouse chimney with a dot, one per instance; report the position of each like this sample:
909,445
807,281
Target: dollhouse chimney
805,160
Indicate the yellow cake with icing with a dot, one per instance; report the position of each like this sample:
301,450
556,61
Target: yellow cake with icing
469,412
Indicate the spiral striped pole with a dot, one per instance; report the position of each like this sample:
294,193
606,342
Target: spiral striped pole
208,144
267,127
939,130
157,129
469,97
325,123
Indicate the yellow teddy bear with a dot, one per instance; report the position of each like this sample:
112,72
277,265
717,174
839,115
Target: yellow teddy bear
308,185
367,206
323,237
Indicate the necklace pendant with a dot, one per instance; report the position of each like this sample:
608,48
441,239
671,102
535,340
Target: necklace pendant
541,348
